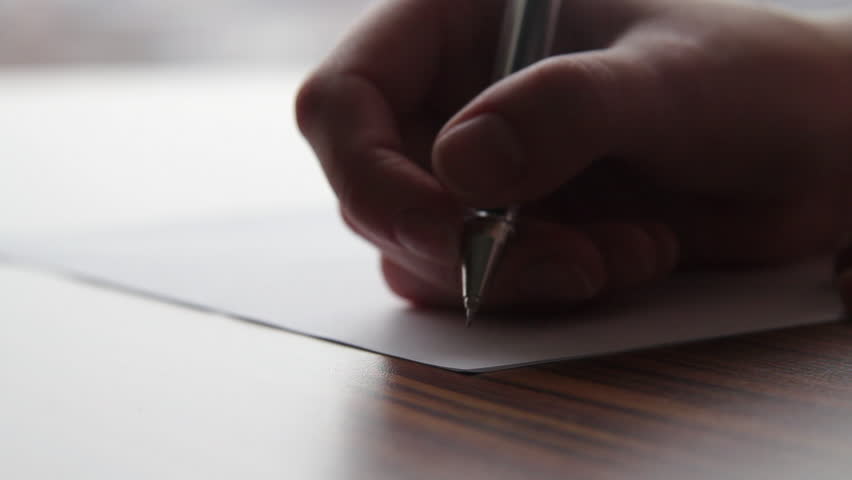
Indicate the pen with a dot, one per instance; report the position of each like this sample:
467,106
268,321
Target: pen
527,35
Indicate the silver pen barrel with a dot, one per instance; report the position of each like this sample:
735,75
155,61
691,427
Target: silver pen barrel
529,27
527,37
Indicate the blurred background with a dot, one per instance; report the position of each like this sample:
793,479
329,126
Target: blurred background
117,112
258,32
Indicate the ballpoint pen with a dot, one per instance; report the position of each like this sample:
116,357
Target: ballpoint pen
528,30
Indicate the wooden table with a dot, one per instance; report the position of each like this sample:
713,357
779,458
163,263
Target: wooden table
775,405
99,384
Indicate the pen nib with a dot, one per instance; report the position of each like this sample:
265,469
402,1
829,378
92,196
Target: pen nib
471,307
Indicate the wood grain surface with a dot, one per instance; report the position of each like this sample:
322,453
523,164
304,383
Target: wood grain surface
773,405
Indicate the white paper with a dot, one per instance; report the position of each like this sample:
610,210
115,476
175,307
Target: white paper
308,274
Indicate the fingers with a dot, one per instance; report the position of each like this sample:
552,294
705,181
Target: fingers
843,270
382,191
549,264
352,109
392,81
356,113
530,133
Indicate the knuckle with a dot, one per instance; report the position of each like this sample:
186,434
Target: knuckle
310,99
350,223
578,95
355,194
358,226
348,193
567,78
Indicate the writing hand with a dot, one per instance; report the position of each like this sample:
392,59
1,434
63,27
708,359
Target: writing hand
663,133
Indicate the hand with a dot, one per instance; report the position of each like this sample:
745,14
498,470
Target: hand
666,132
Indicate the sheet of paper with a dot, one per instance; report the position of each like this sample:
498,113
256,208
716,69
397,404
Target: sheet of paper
308,274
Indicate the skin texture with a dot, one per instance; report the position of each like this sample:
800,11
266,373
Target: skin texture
662,134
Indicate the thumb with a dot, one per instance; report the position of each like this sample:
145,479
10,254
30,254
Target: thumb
538,128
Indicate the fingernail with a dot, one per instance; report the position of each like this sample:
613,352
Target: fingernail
426,235
553,281
479,156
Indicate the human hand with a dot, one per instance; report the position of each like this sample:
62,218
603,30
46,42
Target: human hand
665,132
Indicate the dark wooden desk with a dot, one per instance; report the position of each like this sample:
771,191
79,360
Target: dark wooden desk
773,405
